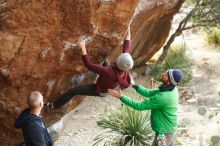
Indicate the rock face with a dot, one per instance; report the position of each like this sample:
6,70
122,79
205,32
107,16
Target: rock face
33,55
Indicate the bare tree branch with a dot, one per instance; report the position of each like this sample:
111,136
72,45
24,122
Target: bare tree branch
204,13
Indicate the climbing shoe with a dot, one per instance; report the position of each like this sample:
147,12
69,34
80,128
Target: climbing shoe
49,105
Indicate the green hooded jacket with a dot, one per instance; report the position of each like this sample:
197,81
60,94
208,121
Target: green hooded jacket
163,106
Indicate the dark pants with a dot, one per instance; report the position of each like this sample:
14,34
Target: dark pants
89,90
169,139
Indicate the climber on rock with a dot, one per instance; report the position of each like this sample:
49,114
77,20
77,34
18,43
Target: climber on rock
31,122
110,76
163,103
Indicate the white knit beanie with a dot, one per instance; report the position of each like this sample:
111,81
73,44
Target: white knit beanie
125,61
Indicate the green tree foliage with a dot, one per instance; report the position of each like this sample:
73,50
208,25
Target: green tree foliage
199,13
176,58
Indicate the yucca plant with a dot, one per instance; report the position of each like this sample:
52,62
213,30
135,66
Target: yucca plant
124,127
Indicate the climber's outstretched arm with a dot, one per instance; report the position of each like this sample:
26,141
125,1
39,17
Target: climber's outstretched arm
91,66
127,42
82,46
128,37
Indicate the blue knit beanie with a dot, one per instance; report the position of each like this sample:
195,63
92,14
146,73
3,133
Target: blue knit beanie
175,76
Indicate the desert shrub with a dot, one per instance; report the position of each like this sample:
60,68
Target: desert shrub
177,59
213,37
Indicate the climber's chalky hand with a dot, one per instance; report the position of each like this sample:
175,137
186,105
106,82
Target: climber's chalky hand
132,80
82,44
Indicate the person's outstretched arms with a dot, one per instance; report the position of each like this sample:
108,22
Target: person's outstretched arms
127,42
91,66
142,90
145,91
153,103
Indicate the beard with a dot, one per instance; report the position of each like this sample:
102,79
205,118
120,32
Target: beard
164,81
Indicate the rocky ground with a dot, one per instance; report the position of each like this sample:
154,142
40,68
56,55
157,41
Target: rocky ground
81,127
194,129
204,90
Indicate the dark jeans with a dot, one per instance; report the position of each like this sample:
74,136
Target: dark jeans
89,90
169,139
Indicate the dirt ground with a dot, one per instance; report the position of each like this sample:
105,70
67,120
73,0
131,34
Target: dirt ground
81,127
194,129
205,91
